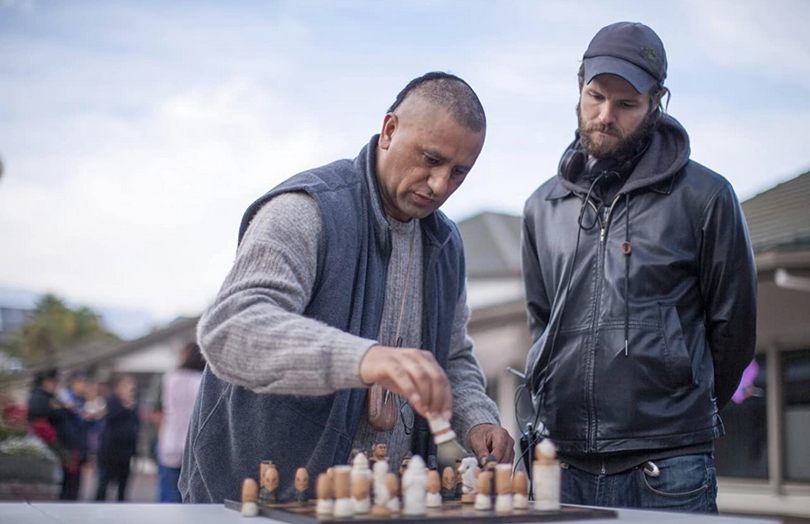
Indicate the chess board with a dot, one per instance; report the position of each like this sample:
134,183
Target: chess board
451,511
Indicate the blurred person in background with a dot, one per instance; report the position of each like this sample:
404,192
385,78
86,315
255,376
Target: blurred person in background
73,397
95,407
119,438
57,426
178,392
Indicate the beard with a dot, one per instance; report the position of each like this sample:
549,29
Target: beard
622,150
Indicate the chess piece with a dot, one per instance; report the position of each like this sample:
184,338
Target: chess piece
414,485
354,453
250,493
381,493
404,464
361,494
448,484
379,451
393,490
323,490
441,430
459,483
343,501
269,492
520,499
301,485
503,488
433,499
467,469
490,466
546,473
483,501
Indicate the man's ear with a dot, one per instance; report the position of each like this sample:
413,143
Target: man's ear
390,123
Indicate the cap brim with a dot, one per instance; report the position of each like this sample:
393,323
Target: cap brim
635,76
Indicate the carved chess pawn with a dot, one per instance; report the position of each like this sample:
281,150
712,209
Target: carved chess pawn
520,499
404,464
323,490
270,481
467,469
459,483
414,486
483,501
448,484
393,489
250,493
546,473
378,452
343,501
301,485
381,493
503,488
433,499
361,494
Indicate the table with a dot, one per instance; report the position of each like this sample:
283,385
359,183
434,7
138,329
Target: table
116,513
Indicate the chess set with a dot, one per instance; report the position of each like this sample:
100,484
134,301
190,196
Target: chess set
466,494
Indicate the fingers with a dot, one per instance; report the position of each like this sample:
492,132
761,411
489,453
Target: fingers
488,439
412,373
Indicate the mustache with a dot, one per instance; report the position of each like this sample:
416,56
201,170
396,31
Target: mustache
602,128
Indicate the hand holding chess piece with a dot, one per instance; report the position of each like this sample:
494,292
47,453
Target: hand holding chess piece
546,474
323,490
301,486
503,488
520,499
433,499
250,493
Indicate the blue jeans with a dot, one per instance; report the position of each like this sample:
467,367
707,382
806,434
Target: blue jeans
167,487
685,484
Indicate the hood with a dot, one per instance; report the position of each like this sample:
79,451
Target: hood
667,153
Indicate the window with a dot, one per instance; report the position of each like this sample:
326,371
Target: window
743,452
796,390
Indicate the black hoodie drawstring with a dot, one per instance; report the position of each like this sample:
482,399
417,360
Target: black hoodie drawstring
627,248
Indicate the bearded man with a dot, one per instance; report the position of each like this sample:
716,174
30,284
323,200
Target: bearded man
641,291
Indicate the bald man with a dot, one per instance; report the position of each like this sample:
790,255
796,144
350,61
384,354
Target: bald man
348,276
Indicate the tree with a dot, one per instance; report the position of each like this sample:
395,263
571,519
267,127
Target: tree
53,326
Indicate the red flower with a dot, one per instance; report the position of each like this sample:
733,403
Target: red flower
15,416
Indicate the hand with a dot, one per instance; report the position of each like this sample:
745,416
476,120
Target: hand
489,439
412,373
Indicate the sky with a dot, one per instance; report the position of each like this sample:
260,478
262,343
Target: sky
133,135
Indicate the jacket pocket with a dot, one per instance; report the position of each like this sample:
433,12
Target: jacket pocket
676,357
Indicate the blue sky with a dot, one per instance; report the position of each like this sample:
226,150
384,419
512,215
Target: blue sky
134,134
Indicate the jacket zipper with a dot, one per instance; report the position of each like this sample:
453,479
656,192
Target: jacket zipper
591,372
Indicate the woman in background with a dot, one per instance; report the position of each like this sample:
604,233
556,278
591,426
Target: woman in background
178,393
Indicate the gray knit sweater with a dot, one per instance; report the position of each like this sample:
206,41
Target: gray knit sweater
280,351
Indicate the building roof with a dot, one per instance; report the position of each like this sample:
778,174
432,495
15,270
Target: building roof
491,245
779,218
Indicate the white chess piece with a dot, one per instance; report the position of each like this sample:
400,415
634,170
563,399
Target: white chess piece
343,501
503,488
360,470
467,469
414,487
546,473
381,494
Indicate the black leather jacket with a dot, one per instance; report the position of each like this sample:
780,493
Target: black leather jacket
640,350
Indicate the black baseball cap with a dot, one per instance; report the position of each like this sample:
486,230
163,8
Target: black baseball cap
630,50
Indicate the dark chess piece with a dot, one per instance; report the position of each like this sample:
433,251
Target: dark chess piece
448,484
269,492
301,485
